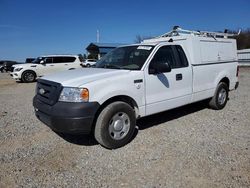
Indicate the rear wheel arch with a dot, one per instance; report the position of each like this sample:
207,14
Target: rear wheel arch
219,100
226,81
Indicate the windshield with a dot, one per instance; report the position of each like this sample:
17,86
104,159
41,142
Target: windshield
38,60
128,57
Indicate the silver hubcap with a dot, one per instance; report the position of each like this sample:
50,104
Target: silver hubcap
29,77
222,96
119,126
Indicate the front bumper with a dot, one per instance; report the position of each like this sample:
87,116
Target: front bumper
67,117
15,75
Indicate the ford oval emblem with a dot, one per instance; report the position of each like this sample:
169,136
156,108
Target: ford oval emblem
41,91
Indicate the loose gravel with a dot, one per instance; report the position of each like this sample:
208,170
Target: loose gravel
191,146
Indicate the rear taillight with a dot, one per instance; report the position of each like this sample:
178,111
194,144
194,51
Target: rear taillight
238,69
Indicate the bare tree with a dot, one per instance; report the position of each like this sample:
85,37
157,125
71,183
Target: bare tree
243,39
139,38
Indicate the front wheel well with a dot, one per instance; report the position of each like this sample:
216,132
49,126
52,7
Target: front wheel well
122,98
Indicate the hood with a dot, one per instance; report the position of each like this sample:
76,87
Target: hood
24,65
78,77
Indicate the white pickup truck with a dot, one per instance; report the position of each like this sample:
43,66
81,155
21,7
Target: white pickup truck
138,80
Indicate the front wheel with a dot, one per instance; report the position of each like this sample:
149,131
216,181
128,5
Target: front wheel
28,76
115,125
220,97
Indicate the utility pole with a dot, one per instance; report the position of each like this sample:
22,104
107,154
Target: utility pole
97,36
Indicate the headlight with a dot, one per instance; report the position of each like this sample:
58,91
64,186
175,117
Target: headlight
70,94
17,69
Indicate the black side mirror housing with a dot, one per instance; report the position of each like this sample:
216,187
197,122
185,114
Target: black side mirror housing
158,68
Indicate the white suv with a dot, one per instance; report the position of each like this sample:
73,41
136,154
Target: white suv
44,65
88,62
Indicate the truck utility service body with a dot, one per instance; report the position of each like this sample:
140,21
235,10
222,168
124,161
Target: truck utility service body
162,73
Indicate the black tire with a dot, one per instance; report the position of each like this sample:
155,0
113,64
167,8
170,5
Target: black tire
220,97
2,69
117,115
88,65
28,76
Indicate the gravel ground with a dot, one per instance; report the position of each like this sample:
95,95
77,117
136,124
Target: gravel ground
191,146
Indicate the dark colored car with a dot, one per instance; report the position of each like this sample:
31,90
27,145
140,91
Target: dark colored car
1,66
7,66
29,60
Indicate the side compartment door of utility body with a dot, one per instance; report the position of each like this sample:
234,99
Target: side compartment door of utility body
168,89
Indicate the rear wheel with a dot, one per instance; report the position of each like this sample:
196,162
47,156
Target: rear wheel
28,76
115,125
220,97
88,65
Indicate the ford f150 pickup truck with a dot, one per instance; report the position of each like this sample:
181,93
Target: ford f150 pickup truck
134,81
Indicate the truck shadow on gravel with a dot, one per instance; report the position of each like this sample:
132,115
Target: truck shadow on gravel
169,115
81,139
143,123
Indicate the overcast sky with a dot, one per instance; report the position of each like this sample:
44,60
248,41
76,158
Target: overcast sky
30,28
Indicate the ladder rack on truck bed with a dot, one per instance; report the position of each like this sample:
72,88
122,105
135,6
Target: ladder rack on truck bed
177,31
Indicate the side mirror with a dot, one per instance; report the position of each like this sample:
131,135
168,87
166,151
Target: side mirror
158,68
42,62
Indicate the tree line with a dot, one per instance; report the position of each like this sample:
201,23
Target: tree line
243,39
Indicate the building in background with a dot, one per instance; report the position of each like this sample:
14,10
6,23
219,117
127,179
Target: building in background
244,57
97,50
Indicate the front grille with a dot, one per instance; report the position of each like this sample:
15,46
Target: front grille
48,91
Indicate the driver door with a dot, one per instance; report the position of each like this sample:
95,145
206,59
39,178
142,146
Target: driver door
171,89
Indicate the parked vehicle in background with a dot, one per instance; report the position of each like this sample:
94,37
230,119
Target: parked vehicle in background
7,65
29,60
44,65
133,81
1,66
88,62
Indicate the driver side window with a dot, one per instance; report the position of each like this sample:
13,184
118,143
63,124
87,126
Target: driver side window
48,60
164,55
